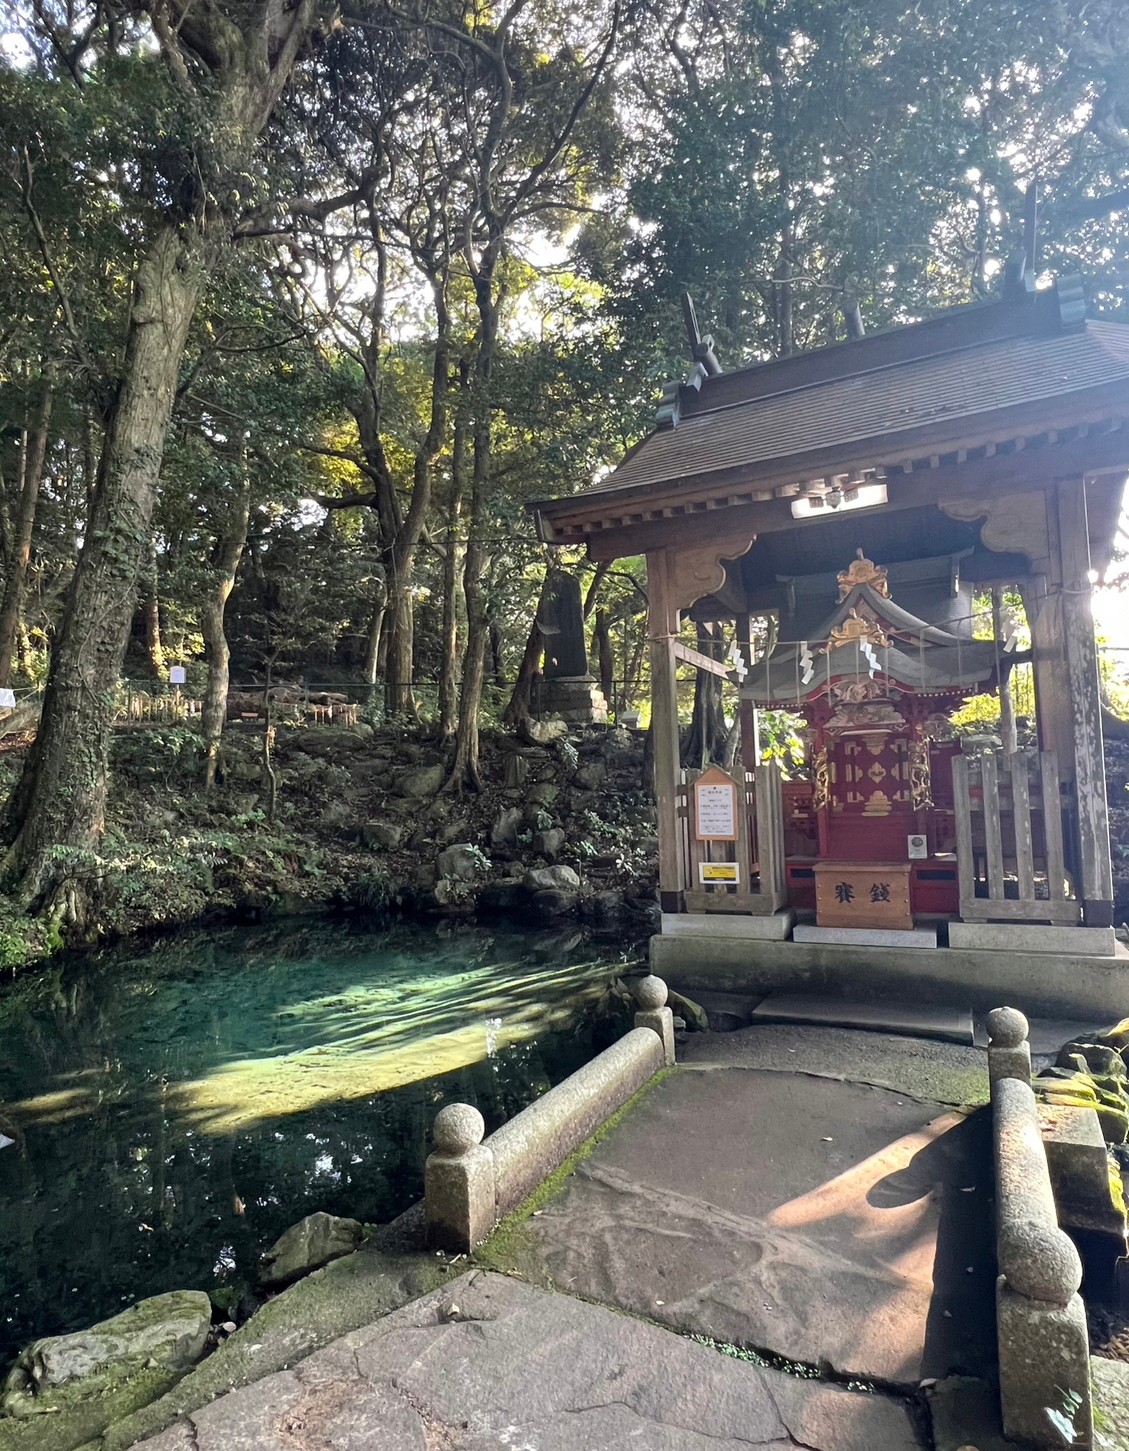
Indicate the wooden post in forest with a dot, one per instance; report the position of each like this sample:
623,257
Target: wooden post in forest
1081,656
662,630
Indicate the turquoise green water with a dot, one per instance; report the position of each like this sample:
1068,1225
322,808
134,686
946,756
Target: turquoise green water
173,1110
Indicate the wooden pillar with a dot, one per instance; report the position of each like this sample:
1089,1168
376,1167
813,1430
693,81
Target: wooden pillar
1008,736
1080,651
662,630
1043,601
1054,714
747,711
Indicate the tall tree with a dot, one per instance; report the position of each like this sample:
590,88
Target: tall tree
32,453
218,72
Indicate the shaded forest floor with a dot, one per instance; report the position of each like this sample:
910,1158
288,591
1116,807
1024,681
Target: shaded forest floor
563,829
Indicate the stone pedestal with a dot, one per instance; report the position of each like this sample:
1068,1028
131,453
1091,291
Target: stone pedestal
577,699
867,936
1044,1368
459,1187
774,928
1080,1170
1028,937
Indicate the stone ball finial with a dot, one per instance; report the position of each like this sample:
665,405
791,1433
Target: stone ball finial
1007,1028
458,1128
1040,1261
649,993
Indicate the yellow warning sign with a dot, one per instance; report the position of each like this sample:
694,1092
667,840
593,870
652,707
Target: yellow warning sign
714,872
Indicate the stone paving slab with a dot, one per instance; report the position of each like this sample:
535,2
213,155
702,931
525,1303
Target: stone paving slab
827,1222
913,1020
928,1069
345,1295
491,1363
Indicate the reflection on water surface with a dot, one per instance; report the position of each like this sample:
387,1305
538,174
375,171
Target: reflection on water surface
174,1110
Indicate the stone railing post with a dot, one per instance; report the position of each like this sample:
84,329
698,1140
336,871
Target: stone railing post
650,995
458,1181
1041,1322
1009,1053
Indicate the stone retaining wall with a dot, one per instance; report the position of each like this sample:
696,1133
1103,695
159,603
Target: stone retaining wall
1045,1395
470,1184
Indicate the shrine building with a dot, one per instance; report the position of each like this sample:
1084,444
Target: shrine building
860,498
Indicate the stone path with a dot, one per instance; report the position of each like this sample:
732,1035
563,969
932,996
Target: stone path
489,1363
818,1195
827,1222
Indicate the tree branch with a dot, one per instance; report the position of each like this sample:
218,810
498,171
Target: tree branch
49,262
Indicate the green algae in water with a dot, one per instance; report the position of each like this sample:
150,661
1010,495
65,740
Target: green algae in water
174,1111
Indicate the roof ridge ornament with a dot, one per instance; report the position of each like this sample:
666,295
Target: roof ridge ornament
1071,295
859,630
1020,268
864,571
701,344
669,412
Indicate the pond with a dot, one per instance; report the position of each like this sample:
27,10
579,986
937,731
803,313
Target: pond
174,1109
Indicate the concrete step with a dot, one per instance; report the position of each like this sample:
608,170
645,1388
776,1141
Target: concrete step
924,1020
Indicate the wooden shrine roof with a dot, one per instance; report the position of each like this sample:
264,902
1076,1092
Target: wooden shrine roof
895,399
972,378
907,653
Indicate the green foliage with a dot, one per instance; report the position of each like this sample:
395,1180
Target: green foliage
369,893
776,159
780,739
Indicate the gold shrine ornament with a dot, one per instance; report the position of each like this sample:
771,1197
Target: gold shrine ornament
855,629
863,571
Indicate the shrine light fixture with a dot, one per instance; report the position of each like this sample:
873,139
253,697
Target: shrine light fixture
839,497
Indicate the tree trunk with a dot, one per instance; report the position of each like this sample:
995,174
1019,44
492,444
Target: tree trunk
705,742
464,767
372,641
519,706
449,644
228,552
599,574
270,775
400,697
633,674
497,664
61,795
32,458
602,646
151,609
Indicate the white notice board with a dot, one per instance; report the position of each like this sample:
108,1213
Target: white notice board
715,806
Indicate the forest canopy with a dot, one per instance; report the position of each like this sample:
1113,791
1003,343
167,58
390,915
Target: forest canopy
302,303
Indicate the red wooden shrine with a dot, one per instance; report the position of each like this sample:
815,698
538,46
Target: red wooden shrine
876,686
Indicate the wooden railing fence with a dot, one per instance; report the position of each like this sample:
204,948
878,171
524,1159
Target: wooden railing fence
1010,857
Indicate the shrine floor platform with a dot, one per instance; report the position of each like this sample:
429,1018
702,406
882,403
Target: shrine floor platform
1094,989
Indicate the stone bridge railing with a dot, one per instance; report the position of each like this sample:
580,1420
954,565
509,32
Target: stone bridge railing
471,1183
1041,1322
